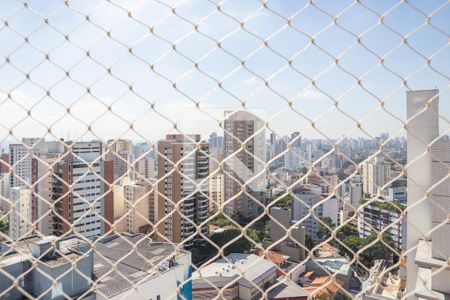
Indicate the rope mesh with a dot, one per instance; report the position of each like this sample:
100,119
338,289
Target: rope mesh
224,149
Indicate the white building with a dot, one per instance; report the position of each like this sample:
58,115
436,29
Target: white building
330,209
132,200
381,214
88,201
245,166
4,192
426,170
397,194
305,197
21,156
226,274
20,162
376,173
293,160
20,216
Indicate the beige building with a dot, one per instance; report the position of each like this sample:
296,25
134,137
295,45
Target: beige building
133,206
290,246
20,216
182,198
216,192
45,190
244,163
121,153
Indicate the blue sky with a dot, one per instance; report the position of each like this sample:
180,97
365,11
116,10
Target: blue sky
132,49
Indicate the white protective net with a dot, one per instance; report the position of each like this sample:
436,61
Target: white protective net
234,149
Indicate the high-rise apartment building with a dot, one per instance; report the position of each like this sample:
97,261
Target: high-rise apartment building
20,216
81,192
376,173
182,191
24,171
381,214
428,233
133,201
20,162
244,163
216,191
121,153
305,197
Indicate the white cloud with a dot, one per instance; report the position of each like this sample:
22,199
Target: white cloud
309,93
250,81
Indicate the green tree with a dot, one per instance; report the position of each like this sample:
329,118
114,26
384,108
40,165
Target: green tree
323,232
239,246
253,235
309,242
220,221
4,227
379,250
347,231
285,202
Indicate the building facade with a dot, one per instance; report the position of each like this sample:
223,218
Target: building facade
376,173
244,163
182,190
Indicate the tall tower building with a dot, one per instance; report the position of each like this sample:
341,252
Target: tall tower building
244,163
179,204
376,173
20,162
20,217
121,153
428,199
81,192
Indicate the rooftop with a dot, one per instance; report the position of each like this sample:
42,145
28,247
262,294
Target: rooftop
249,267
22,250
335,265
147,260
285,288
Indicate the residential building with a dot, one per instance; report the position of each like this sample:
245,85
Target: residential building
4,192
376,174
20,217
145,167
121,152
244,163
305,197
355,190
132,206
293,246
45,190
20,162
383,214
179,204
216,191
81,193
330,209
397,194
